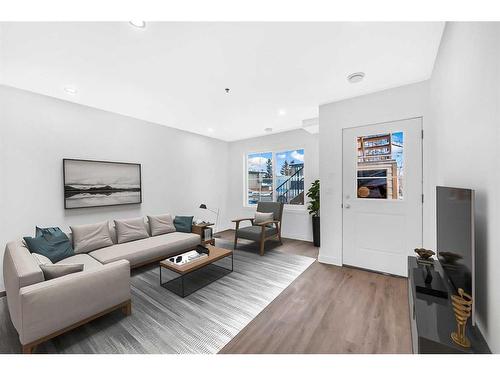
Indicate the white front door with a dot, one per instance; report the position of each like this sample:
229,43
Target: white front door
382,195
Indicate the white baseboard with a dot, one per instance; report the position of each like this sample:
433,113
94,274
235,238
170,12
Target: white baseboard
329,260
300,238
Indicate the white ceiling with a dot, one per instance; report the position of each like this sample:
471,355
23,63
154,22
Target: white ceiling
175,73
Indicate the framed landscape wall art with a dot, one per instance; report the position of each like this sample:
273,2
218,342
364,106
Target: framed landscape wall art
91,183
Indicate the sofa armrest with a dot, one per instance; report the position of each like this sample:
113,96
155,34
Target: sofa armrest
239,220
53,305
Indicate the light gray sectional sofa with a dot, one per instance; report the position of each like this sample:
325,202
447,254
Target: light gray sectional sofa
42,309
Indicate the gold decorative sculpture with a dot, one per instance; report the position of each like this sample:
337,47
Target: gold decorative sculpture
462,306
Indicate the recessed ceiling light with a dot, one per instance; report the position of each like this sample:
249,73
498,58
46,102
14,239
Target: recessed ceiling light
210,130
281,112
70,90
138,24
268,130
356,77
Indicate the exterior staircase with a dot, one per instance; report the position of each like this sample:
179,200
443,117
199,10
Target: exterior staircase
291,191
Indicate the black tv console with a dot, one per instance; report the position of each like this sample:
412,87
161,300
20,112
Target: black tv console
432,319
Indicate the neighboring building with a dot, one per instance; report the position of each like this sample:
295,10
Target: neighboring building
377,170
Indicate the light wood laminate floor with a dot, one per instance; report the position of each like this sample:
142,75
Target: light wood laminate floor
328,309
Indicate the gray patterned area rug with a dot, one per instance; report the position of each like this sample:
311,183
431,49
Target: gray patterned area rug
203,322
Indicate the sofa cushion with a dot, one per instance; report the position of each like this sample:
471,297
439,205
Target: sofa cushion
88,262
90,237
254,232
130,230
53,271
148,249
41,259
183,224
161,224
262,217
51,243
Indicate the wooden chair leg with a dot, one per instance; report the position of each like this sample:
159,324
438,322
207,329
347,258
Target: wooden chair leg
236,235
262,240
28,349
278,229
127,309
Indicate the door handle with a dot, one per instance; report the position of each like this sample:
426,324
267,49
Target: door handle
347,205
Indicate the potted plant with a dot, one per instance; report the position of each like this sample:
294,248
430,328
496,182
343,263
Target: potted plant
313,208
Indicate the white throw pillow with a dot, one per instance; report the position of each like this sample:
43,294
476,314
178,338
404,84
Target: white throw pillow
161,224
41,259
130,230
90,237
262,217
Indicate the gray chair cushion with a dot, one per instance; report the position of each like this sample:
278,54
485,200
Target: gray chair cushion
275,207
254,232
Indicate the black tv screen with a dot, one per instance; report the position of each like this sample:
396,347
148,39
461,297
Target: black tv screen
455,235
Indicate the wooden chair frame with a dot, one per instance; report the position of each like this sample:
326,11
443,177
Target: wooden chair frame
263,237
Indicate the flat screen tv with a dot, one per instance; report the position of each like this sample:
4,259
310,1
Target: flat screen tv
455,237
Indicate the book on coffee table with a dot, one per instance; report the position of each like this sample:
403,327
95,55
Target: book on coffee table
186,257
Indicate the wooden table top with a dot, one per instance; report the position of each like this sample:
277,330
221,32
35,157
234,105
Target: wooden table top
203,225
215,254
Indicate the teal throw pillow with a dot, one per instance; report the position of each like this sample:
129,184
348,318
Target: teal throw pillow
183,223
50,242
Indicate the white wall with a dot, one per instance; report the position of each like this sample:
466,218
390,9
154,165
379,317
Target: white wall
465,113
389,105
179,169
296,221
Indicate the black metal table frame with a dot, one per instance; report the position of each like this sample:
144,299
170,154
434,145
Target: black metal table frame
182,275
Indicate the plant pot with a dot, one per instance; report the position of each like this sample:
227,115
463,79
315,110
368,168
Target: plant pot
316,235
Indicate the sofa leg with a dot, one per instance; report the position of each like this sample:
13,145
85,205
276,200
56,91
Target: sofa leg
28,349
127,309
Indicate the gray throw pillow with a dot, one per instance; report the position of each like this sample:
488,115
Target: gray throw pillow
90,237
262,217
161,224
53,271
130,230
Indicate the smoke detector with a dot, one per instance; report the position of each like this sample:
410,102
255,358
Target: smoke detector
356,77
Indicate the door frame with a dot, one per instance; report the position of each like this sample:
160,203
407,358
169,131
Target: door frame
421,182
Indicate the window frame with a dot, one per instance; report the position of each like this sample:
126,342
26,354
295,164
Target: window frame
288,207
393,200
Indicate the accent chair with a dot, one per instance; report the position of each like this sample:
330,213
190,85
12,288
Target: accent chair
261,232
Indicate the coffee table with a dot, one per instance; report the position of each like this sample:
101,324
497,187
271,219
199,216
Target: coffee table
208,271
